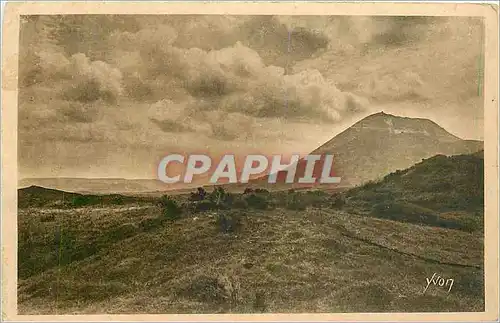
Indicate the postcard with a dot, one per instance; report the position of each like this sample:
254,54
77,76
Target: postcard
249,161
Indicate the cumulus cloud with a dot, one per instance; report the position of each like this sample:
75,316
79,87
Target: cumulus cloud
228,91
92,81
227,81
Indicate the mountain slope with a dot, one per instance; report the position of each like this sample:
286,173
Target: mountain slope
123,260
441,190
382,143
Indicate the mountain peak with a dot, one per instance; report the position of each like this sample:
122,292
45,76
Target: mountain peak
381,113
382,142
393,124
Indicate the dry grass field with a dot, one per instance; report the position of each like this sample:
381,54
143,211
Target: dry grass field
278,252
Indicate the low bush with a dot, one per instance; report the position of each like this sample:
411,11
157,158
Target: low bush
199,195
316,198
228,222
239,203
83,200
170,207
205,205
294,201
218,195
471,224
338,201
261,191
118,200
255,201
248,190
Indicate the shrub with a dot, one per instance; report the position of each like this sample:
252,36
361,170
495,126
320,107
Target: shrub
315,198
82,200
229,199
205,205
199,195
317,193
261,191
338,201
471,224
201,192
248,190
240,204
256,201
294,201
228,223
218,196
118,200
170,208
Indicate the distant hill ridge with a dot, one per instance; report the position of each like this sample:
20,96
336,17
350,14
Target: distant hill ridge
97,185
38,196
371,148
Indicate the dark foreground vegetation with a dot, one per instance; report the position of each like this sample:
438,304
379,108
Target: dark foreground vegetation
366,249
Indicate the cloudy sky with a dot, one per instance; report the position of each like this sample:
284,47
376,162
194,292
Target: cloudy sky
109,96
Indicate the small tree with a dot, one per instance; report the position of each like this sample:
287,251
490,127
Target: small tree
199,195
218,196
170,207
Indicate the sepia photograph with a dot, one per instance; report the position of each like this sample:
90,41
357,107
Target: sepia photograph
246,162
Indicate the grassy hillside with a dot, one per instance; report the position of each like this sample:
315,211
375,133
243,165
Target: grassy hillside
444,191
366,250
319,260
36,196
